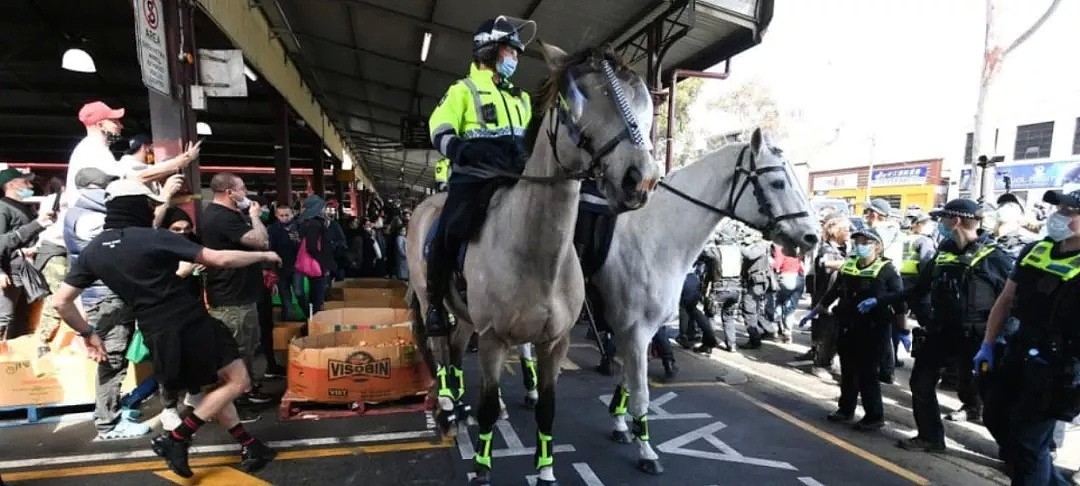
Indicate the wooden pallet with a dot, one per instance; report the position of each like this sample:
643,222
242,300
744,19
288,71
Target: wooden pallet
294,408
34,413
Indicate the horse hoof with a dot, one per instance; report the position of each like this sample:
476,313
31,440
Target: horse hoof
530,403
621,436
651,467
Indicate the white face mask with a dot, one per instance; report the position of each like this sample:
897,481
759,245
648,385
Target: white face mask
1057,227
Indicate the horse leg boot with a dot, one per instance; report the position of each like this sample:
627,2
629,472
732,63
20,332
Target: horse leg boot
492,355
459,339
637,379
551,356
620,432
528,374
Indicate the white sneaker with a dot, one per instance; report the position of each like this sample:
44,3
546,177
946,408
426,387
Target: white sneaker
193,401
170,419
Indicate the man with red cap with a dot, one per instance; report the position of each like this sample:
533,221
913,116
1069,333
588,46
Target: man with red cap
103,127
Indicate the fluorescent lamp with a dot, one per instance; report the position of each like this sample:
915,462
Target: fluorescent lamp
424,48
202,128
327,152
78,60
250,74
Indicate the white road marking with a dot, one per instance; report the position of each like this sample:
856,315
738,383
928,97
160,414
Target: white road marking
809,481
726,453
656,408
587,474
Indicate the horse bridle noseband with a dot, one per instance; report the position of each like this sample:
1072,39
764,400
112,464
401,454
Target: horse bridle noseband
752,175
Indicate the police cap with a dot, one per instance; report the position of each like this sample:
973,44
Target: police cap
959,208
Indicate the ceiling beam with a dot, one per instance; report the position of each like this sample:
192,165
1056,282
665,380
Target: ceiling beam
360,79
369,52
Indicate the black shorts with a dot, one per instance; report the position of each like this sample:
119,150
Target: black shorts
190,356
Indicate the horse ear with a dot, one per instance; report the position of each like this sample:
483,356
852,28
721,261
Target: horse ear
554,56
757,141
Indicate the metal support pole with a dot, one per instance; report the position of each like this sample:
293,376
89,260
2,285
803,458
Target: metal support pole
675,76
318,179
282,163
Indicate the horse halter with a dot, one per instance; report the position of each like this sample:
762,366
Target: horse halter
752,175
563,117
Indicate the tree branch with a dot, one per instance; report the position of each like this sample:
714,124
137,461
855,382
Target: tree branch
1034,27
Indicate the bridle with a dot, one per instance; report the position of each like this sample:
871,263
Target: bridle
751,174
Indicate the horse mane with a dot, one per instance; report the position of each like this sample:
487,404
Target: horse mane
548,94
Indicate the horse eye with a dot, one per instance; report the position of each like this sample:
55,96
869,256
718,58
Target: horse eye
778,185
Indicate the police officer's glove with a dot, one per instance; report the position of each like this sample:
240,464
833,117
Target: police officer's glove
867,305
805,321
984,359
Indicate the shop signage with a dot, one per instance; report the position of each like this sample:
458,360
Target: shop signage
1047,175
150,38
899,177
829,182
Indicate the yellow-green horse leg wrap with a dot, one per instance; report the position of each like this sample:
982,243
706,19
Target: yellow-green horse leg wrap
641,428
543,450
617,407
483,454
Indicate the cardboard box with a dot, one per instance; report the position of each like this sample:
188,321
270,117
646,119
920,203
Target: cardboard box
374,283
333,304
65,376
371,366
284,332
375,297
353,318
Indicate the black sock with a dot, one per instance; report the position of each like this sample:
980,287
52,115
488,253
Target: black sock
189,424
242,436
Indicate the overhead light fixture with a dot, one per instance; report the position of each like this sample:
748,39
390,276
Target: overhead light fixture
202,128
250,73
327,152
78,60
425,47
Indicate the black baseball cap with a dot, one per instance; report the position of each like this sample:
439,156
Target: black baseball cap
1059,198
959,208
11,173
868,232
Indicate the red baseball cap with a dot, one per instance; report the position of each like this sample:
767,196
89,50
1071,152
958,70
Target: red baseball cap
96,111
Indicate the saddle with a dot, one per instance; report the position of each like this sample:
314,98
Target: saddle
593,235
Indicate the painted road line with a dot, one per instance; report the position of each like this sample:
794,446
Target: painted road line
230,460
587,474
832,439
781,383
217,449
214,476
657,411
721,450
685,384
809,481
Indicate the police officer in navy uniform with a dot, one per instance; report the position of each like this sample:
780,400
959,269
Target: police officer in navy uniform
484,144
962,280
867,274
723,284
757,278
1033,379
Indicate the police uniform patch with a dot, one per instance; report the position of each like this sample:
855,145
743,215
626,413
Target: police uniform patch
489,113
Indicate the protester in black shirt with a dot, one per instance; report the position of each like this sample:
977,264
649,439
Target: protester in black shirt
233,294
189,348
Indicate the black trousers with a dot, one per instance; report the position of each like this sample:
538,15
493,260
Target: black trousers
860,357
464,201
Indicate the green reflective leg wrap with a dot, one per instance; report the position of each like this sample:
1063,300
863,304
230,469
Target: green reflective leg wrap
640,428
617,407
451,382
543,451
483,450
528,371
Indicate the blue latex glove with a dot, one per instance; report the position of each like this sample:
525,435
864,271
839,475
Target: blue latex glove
985,355
805,321
867,305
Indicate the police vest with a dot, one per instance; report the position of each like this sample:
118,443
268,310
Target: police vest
910,263
956,296
1039,257
730,261
851,268
442,170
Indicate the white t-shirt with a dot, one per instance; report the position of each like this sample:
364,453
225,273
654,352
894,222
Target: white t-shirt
91,153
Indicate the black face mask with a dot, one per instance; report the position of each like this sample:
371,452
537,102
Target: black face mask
129,211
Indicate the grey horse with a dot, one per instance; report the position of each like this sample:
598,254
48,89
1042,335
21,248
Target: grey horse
652,250
524,282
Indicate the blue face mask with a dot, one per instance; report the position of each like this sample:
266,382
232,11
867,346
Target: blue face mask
863,251
945,232
506,67
25,193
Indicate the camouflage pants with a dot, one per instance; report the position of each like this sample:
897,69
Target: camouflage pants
54,272
114,323
243,321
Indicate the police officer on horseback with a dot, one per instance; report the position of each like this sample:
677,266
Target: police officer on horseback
962,281
1034,379
480,127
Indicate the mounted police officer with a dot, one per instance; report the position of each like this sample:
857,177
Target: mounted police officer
723,282
442,174
480,127
1035,379
962,281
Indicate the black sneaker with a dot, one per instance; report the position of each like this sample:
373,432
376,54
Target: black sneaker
964,415
258,397
868,425
275,371
919,444
174,452
670,368
752,345
605,367
436,322
248,415
839,416
255,456
703,349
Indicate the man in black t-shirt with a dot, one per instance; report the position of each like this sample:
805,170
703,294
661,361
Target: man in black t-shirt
233,294
189,348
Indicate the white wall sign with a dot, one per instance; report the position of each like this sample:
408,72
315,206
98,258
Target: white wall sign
829,182
221,73
150,38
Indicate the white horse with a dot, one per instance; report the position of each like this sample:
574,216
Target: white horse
653,248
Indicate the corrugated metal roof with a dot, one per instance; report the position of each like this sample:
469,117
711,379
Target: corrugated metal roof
362,56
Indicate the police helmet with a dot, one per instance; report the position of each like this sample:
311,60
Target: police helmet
503,30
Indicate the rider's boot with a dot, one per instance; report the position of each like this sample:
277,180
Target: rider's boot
437,322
